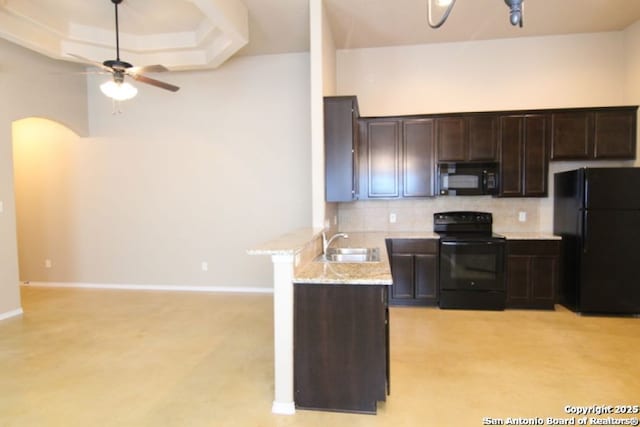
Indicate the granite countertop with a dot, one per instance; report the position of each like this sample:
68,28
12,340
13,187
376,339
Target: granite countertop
365,273
518,235
287,244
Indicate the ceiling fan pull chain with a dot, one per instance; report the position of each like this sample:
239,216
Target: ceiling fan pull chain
116,107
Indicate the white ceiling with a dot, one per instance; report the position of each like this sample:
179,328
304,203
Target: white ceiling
369,23
188,34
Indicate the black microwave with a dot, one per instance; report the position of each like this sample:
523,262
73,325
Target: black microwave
467,179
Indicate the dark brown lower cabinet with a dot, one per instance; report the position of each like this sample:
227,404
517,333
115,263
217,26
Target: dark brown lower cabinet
532,273
341,347
414,268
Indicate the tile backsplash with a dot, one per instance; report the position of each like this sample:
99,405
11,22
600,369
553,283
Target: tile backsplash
417,215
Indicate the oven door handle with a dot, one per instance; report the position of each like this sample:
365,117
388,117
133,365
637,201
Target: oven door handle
461,243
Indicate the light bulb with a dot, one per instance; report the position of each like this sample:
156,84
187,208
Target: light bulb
118,91
515,11
516,16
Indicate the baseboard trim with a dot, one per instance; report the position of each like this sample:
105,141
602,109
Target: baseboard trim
130,287
12,313
283,408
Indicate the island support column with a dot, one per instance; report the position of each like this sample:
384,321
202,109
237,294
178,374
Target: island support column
283,334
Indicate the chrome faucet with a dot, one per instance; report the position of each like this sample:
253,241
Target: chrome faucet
326,243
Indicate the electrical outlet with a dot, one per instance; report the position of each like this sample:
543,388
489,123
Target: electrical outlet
335,220
392,218
47,263
522,216
1,206
204,266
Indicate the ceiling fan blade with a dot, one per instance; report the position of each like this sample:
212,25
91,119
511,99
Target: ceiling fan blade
154,82
90,62
147,69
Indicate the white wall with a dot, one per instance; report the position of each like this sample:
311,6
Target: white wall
537,72
182,178
632,54
523,73
323,83
31,85
329,84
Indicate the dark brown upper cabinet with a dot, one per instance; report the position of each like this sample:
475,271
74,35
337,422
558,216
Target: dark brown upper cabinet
483,137
615,134
397,158
451,137
418,158
341,148
524,155
380,158
467,138
594,134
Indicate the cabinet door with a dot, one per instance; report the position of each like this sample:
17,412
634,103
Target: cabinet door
511,155
414,268
426,281
403,277
523,154
543,277
418,158
615,134
535,156
532,273
571,136
339,347
340,141
483,138
518,282
382,154
451,139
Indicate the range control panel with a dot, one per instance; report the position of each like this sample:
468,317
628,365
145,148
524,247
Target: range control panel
463,218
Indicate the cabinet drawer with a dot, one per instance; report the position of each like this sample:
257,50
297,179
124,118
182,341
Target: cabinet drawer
414,246
533,247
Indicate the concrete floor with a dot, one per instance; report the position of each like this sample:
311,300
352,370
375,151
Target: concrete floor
81,357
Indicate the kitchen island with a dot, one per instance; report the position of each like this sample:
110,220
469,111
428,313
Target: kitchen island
293,262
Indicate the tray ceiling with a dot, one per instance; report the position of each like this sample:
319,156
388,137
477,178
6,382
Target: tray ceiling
195,34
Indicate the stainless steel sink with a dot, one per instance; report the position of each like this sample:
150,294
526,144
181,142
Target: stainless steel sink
353,255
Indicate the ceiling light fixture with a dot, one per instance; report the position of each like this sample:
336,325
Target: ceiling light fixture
515,11
118,91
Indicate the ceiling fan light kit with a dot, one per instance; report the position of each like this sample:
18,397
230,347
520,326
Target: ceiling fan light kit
118,91
117,88
515,12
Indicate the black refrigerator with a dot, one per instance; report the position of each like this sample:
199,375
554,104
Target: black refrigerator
597,213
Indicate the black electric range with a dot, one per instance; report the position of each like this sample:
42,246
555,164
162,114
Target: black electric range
472,261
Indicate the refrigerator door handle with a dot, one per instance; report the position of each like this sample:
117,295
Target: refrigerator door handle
585,231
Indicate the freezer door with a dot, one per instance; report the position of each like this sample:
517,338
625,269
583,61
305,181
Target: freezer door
612,188
609,279
568,202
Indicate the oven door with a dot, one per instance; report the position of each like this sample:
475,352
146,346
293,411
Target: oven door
472,265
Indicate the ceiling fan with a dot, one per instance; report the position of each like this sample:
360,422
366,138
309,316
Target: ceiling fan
117,88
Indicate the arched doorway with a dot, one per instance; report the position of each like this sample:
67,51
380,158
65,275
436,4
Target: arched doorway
43,168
